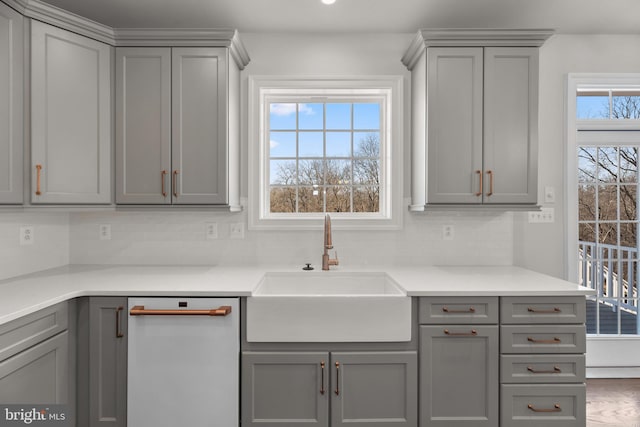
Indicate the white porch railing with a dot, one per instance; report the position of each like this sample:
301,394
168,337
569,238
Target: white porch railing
612,271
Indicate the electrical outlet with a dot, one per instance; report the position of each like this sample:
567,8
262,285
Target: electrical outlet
448,232
236,230
104,231
211,230
544,215
27,235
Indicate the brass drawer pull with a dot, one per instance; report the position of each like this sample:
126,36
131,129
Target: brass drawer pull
447,310
479,173
337,378
119,333
139,310
322,377
162,177
461,334
555,340
490,173
556,408
38,173
552,311
556,370
175,183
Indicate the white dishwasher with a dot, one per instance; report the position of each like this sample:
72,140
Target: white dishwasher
183,362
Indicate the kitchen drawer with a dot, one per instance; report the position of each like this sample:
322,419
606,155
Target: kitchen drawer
542,339
545,368
523,310
458,310
542,405
31,329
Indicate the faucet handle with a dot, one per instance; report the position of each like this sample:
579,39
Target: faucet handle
334,261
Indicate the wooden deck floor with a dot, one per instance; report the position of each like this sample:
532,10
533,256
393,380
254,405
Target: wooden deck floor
613,402
609,320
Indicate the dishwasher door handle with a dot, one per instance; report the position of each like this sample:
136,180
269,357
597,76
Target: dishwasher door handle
139,310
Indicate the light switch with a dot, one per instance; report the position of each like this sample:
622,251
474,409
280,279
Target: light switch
549,194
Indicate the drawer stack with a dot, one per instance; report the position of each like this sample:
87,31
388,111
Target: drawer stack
542,361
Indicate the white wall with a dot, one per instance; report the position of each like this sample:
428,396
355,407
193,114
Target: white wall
50,247
541,247
162,237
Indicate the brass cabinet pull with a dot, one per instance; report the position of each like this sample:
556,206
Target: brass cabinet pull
119,333
461,334
38,173
447,310
175,183
556,408
490,173
337,378
479,173
555,340
535,310
139,310
322,377
556,370
162,175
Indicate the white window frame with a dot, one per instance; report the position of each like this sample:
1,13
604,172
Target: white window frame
266,89
611,356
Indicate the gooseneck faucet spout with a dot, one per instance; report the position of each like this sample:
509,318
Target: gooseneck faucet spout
328,244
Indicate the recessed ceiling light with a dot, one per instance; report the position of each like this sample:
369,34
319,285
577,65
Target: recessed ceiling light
328,1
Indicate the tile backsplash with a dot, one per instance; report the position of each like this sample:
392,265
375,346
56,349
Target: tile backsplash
49,247
480,238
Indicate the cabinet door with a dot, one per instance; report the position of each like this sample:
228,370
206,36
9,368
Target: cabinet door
374,388
454,121
11,102
459,376
107,361
285,389
70,117
143,125
511,125
199,157
38,375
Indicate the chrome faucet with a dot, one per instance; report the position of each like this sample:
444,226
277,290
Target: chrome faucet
328,244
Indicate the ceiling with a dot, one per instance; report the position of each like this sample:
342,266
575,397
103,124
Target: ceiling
365,16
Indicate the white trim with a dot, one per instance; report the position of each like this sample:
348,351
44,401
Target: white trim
260,86
586,81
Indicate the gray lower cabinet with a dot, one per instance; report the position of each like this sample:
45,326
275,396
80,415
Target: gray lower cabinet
102,362
34,358
459,375
321,388
11,102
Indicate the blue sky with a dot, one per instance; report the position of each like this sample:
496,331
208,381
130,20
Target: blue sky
311,121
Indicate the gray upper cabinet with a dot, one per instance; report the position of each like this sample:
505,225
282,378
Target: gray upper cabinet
143,125
482,125
172,118
11,105
475,117
70,117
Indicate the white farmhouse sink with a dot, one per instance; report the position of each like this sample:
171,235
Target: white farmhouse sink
329,306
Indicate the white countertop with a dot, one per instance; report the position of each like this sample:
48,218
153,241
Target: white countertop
27,294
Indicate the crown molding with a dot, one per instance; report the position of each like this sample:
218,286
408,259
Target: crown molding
473,38
229,38
49,14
